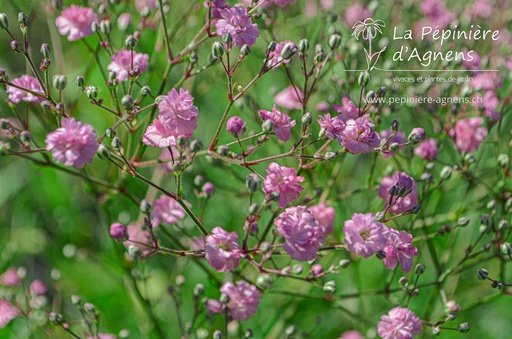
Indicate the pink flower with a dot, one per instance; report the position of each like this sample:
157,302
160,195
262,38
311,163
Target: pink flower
351,335
73,144
324,216
475,61
222,250
398,138
177,116
151,4
400,323
167,210
452,307
301,232
37,287
25,81
10,278
486,81
119,232
122,64
400,203
399,250
509,64
217,7
76,22
282,122
489,103
356,13
275,57
480,8
347,110
359,137
236,23
289,98
140,238
364,236
468,134
244,299
7,312
283,181
333,127
235,126
427,150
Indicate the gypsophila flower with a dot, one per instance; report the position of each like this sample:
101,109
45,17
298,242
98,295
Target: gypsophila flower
427,149
359,137
283,181
401,204
347,110
76,22
364,236
235,126
468,134
399,249
235,22
140,238
244,299
301,231
324,216
333,127
275,56
217,7
7,312
282,122
399,323
222,250
118,231
351,335
73,144
10,278
25,81
37,287
122,63
289,98
166,210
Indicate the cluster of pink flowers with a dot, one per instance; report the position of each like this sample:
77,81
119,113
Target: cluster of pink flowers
177,117
399,323
427,150
235,22
468,134
7,312
282,122
301,231
76,22
399,249
73,144
283,181
289,98
222,250
400,203
166,210
25,81
243,303
125,61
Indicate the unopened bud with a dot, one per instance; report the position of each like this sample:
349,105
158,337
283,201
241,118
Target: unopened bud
80,81
4,21
217,335
105,27
127,101
291,330
145,91
344,263
25,136
5,124
482,274
45,50
381,92
289,50
417,135
56,318
446,172
116,143
329,156
330,287
503,160
224,298
271,46
364,79
145,206
264,281
130,42
91,92
134,252
208,190
227,38
303,46
269,126
16,46
419,269
395,125
297,268
464,327
245,50
22,18
506,249
307,119
75,300
463,221
334,41
60,81
103,151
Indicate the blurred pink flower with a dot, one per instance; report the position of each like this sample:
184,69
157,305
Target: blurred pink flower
399,249
302,233
452,307
355,13
236,23
480,8
359,137
509,64
347,110
289,99
222,250
270,3
486,81
275,57
38,287
140,238
351,335
10,278
244,299
473,64
235,126
76,22
7,312
324,216
402,203
468,134
363,235
427,150
333,127
398,138
151,4
166,210
121,63
283,181
489,103
282,122
399,323
25,81
119,232
73,144
436,14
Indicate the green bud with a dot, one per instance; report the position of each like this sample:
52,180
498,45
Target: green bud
344,263
303,46
75,300
482,274
145,91
463,221
227,38
364,79
307,119
116,143
91,92
56,318
446,172
271,46
103,151
253,209
503,160
5,124
297,268
253,182
506,248
436,330
25,136
80,81
419,269
330,287
464,327
198,290
196,145
289,50
381,92
269,126
291,330
127,101
4,21
224,298
403,281
264,281
334,41
130,42
60,82
22,18
217,335
45,50
145,206
502,224
105,27
395,125
16,46
329,156
134,252
395,146
245,50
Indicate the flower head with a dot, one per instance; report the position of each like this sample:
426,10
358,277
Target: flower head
301,232
364,236
359,137
400,202
468,134
222,250
76,22
283,181
235,126
167,210
289,98
324,216
119,232
10,278
235,22
122,63
244,299
427,150
333,127
399,323
282,122
25,81
73,144
399,250
7,312
347,110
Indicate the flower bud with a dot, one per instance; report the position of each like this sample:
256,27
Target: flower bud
395,125
4,21
180,280
103,151
130,42
25,136
196,145
463,221
80,81
208,190
56,318
245,50
217,49
199,180
223,150
75,300
217,335
395,146
303,46
291,330
464,327
91,92
145,206
124,21
329,156
446,172
227,38
235,126
502,224
60,81
248,334
482,274
181,140
253,209
45,50
344,263
127,101
105,27
269,126
198,290
403,281
116,143
264,281
330,287
110,132
89,308
503,160
134,252
289,50
334,41
274,196
224,298
271,46
379,216
417,135
436,330
95,27
145,91
419,269
506,248
22,18
381,92
16,46
307,119
364,79
381,255
5,124
265,247
145,12
297,268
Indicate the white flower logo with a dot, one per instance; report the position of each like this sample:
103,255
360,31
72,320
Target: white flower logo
368,30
